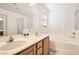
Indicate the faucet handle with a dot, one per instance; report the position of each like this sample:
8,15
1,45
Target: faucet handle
11,39
73,33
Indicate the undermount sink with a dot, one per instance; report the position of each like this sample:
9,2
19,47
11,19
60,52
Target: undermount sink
12,45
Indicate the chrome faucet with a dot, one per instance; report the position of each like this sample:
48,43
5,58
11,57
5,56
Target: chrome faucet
73,35
11,39
36,33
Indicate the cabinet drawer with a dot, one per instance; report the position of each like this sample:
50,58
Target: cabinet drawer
39,51
39,44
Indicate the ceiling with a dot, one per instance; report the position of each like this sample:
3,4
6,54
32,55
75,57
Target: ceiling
28,8
23,8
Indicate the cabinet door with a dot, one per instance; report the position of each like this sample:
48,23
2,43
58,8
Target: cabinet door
39,44
45,46
35,49
39,51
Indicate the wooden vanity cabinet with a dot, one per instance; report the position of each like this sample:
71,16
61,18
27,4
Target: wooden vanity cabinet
29,51
39,48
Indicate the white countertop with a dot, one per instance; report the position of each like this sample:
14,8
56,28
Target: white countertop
29,41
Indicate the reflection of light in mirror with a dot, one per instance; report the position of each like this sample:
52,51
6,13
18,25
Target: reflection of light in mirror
1,19
32,4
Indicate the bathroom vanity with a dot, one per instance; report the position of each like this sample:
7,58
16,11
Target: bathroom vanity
23,45
39,48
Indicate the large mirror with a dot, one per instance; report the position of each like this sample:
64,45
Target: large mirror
18,18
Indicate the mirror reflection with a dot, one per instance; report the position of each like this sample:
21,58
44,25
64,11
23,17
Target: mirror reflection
77,20
22,18
1,26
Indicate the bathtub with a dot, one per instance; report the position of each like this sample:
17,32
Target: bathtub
63,44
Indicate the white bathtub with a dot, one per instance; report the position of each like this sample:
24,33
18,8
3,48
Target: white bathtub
64,44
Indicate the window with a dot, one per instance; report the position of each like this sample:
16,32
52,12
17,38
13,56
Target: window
43,19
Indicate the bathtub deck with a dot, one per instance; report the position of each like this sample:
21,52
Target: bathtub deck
64,45
66,49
